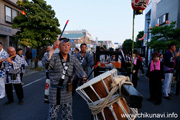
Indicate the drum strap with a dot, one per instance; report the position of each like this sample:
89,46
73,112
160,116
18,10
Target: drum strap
65,68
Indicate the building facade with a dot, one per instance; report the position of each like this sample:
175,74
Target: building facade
77,37
168,10
159,13
8,11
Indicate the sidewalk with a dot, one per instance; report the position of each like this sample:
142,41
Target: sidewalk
29,71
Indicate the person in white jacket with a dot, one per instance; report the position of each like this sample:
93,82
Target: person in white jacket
3,55
23,64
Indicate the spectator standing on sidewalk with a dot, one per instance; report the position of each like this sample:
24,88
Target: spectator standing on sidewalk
136,66
155,75
23,64
28,55
141,67
169,58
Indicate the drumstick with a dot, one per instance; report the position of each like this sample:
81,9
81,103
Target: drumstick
98,63
7,58
62,31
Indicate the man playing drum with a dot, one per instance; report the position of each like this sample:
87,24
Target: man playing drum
86,60
62,67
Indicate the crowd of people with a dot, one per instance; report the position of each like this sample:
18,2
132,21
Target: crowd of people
67,71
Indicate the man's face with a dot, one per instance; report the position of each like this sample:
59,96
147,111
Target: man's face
1,47
173,48
64,47
75,51
20,52
12,52
48,48
83,48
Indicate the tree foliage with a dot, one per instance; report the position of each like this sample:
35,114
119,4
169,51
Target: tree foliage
39,27
139,43
127,45
162,36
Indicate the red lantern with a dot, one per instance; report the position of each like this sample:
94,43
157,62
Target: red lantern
167,22
150,27
139,4
23,13
157,25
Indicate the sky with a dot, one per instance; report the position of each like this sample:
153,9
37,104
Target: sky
105,19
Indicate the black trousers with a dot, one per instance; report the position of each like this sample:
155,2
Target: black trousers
155,89
177,87
135,79
9,91
21,76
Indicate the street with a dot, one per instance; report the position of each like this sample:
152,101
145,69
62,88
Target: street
34,107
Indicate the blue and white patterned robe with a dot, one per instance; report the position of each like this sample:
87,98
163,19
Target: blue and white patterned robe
3,55
14,68
23,63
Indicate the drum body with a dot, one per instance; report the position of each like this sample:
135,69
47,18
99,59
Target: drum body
97,89
116,64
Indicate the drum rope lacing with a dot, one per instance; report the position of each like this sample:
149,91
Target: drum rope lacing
117,83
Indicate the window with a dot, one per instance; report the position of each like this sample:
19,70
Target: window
10,14
14,13
162,20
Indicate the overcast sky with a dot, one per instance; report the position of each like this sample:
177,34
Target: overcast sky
105,19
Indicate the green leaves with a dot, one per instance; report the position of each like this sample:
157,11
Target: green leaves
162,36
127,45
39,27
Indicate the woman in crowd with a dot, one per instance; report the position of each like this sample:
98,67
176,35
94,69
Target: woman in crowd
155,75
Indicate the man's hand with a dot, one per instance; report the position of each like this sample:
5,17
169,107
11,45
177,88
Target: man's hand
148,79
84,79
162,79
9,60
1,60
134,71
56,44
176,54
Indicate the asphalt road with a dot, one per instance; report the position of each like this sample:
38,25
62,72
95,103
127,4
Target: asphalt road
34,107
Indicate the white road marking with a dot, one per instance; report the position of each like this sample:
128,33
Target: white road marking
32,82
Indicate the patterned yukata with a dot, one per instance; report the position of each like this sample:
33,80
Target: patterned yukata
23,65
3,55
12,78
45,62
85,61
60,69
